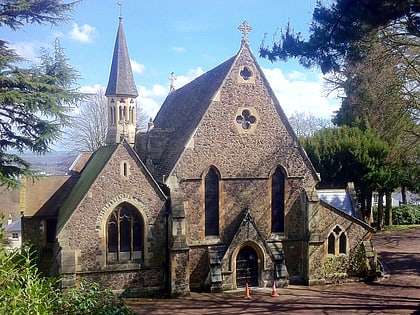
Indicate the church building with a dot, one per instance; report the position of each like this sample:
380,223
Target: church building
216,194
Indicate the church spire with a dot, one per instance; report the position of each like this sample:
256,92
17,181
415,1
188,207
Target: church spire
121,80
121,93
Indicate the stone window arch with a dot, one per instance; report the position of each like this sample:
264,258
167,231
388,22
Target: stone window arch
211,203
125,169
277,200
124,234
337,241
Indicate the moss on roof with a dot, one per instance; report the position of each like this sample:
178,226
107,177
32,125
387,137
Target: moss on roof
86,179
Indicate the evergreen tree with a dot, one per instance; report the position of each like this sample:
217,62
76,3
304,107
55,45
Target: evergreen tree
34,101
348,154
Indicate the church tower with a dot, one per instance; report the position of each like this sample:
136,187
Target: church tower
121,94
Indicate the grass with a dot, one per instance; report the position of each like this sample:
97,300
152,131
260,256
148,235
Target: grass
397,227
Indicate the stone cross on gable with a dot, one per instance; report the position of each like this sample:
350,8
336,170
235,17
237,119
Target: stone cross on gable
245,28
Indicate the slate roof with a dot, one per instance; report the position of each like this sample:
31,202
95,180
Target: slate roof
15,226
338,198
121,80
184,108
181,113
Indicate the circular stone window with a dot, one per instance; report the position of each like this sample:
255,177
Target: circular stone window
246,119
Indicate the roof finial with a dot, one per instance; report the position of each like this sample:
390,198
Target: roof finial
120,4
245,28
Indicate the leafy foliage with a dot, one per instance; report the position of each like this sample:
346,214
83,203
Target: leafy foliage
24,291
345,155
34,101
90,298
16,13
406,215
336,27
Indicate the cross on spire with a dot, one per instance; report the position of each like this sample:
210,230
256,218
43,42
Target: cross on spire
245,28
120,4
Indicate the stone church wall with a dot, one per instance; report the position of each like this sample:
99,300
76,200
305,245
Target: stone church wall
84,232
245,161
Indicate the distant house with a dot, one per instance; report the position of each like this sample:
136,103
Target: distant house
13,234
412,199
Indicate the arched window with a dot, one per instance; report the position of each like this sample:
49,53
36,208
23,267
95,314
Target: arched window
337,241
125,238
331,244
211,206
277,201
342,244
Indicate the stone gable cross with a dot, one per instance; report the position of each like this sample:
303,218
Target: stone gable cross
245,28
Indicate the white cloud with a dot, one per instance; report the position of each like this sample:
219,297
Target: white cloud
82,33
178,49
181,80
26,49
150,100
137,67
91,89
296,93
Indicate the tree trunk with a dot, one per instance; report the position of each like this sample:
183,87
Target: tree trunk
369,214
380,219
404,195
388,209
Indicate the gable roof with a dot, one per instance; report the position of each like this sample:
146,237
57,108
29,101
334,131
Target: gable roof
121,80
15,226
88,176
85,180
182,111
184,108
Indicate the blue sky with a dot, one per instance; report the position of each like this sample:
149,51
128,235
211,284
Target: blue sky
188,37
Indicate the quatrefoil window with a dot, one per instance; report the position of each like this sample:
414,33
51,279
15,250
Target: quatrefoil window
246,119
246,73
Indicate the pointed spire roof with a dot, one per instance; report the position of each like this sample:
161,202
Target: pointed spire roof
121,80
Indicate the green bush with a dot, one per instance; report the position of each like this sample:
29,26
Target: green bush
90,298
406,215
402,215
24,291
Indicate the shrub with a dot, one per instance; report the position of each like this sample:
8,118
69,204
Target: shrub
90,298
23,290
406,214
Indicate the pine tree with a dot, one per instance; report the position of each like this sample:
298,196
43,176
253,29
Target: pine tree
34,101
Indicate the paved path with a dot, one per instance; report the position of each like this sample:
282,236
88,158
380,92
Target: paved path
397,294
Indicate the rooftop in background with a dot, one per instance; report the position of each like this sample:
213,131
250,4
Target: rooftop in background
338,198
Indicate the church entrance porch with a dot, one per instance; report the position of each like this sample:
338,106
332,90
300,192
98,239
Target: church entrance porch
247,267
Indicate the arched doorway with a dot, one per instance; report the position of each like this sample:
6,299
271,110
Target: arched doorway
247,267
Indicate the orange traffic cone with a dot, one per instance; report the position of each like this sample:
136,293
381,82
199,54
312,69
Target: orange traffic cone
274,290
247,295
